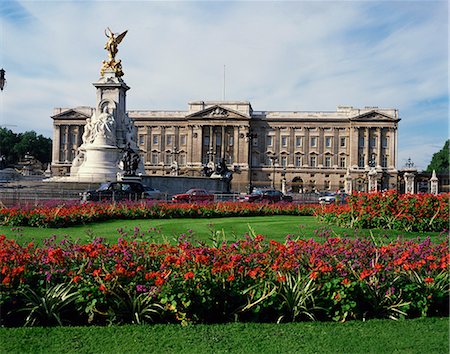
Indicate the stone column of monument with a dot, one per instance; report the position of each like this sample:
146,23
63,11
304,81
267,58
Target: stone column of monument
372,177
108,149
409,175
434,184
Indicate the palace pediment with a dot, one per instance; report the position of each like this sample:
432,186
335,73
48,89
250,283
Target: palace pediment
71,114
374,116
218,112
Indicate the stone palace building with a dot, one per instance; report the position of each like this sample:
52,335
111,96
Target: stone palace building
305,151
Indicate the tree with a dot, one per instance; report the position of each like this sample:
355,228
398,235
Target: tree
440,160
8,140
14,146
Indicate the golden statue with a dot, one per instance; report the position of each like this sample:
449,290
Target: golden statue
111,47
113,42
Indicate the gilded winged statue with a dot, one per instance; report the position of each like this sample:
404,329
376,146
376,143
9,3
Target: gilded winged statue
113,42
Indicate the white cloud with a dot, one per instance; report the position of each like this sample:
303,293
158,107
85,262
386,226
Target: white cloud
279,55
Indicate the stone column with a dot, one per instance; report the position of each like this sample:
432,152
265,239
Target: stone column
291,147
335,150
56,144
372,178
354,146
392,148
366,147
306,148
236,145
320,148
409,182
434,184
379,146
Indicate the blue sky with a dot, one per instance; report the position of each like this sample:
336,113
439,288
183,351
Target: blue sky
279,55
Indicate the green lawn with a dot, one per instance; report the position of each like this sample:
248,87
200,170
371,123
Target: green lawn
430,335
273,227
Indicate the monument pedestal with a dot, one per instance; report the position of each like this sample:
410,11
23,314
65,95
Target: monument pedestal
100,162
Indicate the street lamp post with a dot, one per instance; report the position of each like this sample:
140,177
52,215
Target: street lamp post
273,158
2,79
250,136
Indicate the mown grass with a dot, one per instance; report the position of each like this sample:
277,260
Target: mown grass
428,335
232,228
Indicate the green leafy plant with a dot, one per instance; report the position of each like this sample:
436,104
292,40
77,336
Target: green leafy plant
297,297
134,308
48,308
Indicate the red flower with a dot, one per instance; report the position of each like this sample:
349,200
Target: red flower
428,280
102,287
189,275
230,277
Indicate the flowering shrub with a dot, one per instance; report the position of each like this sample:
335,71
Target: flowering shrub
62,216
390,210
248,280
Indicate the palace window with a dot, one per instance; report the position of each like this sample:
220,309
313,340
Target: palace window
342,162
361,141
182,159
169,140
373,141
361,160
313,141
328,141
313,161
298,141
269,140
342,142
283,161
155,158
141,139
183,139
284,139
155,139
298,161
327,161
385,142
384,161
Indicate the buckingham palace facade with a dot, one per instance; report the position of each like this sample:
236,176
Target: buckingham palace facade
308,151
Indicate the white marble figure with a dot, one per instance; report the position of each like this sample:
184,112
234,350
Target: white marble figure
104,128
87,137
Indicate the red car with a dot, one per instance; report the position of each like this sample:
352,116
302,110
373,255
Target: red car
194,195
267,195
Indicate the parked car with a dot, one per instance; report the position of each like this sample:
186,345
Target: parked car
329,198
267,195
194,195
115,191
152,193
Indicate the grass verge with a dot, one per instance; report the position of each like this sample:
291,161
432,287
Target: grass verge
428,335
232,228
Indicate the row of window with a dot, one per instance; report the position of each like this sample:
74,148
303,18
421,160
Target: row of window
313,141
170,139
313,161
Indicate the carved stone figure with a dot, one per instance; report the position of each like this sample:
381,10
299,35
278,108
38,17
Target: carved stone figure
104,127
87,137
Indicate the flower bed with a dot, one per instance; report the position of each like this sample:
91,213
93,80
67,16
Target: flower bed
390,210
62,216
248,280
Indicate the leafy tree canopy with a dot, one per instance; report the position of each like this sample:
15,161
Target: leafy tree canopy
440,160
14,146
